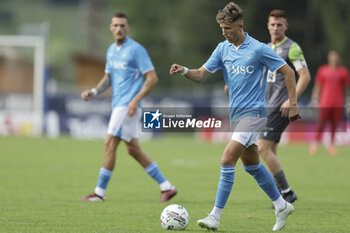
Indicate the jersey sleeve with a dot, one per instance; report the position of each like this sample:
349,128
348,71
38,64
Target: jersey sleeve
271,59
143,61
296,56
213,64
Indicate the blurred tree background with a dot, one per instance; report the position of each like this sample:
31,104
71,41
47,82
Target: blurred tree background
182,31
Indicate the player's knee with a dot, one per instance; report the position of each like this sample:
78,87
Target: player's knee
110,145
133,150
226,160
107,145
229,157
263,150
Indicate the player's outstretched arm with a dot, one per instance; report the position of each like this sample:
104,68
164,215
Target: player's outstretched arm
196,75
150,81
101,87
292,110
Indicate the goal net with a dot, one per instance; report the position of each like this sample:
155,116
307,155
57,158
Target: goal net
22,71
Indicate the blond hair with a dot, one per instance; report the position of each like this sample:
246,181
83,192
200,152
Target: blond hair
230,14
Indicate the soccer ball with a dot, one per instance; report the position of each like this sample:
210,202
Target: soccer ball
174,217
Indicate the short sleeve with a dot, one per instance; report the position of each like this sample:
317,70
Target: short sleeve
271,59
143,61
296,56
214,62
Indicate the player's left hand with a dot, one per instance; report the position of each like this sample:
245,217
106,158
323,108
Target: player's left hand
132,107
294,113
285,108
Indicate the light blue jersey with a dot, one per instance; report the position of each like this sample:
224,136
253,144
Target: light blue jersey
126,65
245,71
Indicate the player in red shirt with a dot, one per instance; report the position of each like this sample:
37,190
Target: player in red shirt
328,94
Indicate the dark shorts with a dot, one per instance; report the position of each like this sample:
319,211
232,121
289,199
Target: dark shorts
275,126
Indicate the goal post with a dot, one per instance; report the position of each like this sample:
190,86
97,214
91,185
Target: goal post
38,44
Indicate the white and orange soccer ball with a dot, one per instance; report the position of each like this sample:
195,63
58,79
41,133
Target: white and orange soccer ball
174,217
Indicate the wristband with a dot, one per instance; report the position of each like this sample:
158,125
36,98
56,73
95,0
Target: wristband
183,73
94,91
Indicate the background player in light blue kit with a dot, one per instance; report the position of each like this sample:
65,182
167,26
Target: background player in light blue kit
244,63
126,63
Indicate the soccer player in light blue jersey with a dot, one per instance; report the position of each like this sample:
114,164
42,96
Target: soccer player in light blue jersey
244,63
126,63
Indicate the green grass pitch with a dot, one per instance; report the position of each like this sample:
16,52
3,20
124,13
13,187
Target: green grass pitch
41,179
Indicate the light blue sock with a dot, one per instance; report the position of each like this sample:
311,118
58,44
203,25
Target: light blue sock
264,179
103,178
227,177
154,172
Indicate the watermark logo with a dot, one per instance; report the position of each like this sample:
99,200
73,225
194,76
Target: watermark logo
175,120
152,120
220,119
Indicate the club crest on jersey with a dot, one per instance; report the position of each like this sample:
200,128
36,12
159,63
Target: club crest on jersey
248,57
279,51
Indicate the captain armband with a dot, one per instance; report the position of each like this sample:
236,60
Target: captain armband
299,64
